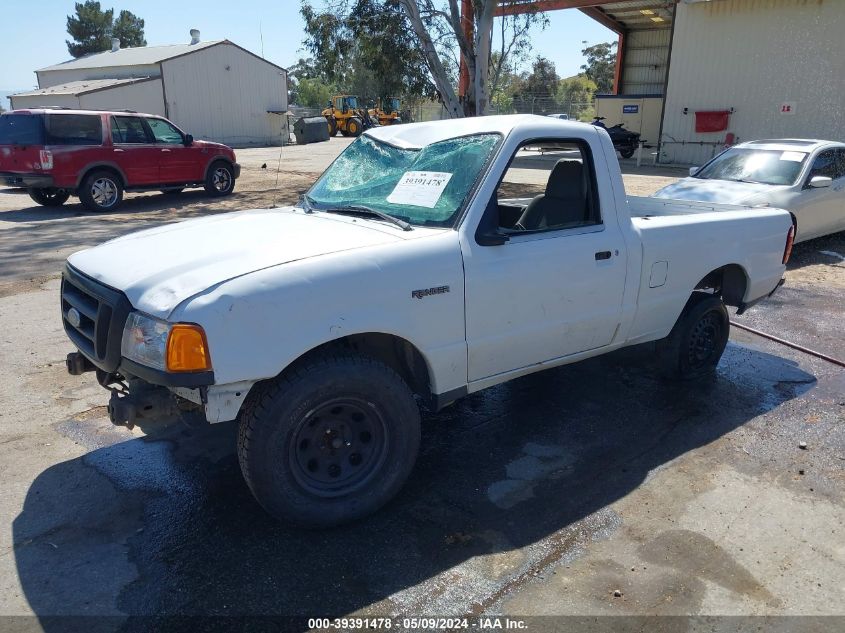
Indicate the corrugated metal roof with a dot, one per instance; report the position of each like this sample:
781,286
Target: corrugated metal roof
82,87
139,56
639,14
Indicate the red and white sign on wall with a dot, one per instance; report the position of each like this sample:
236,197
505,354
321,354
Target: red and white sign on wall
787,107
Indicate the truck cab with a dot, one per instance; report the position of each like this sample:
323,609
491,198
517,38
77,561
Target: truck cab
428,261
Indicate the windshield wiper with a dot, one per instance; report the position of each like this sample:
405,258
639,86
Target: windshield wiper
307,203
362,209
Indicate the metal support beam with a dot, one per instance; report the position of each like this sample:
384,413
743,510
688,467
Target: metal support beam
518,7
604,19
620,60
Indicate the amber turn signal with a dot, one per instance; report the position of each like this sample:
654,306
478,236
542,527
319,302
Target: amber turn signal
187,349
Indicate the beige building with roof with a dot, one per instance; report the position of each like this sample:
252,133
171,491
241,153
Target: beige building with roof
214,90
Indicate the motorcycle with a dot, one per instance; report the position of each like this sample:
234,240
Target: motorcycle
624,141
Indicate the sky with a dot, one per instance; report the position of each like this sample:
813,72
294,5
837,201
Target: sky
33,33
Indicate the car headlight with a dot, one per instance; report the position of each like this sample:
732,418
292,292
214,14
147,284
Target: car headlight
174,347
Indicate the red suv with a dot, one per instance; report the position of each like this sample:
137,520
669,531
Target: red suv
56,153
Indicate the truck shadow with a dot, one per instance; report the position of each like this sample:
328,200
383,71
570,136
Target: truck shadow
166,526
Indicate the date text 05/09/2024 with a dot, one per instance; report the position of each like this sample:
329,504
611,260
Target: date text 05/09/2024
418,624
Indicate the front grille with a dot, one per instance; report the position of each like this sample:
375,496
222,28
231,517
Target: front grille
102,315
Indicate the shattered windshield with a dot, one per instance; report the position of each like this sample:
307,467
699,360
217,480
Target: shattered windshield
769,167
424,186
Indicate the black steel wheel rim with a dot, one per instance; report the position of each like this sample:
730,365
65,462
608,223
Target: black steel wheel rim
704,339
338,447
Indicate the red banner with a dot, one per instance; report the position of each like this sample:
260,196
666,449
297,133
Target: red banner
712,121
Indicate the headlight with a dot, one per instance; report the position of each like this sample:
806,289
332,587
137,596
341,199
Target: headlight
174,347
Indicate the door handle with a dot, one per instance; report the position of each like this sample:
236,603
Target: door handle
602,255
118,151
166,150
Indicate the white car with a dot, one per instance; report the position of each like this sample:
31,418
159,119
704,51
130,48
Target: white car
805,177
429,261
563,117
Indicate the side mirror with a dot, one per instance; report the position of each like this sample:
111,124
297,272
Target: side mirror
189,140
819,182
693,170
491,239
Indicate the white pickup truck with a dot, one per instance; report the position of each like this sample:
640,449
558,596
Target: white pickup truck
428,261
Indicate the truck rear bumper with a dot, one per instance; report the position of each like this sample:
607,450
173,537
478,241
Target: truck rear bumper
29,181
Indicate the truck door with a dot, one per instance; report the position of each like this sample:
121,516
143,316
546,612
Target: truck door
555,287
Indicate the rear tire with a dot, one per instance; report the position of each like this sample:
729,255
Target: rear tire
101,191
696,343
627,153
220,180
49,197
330,441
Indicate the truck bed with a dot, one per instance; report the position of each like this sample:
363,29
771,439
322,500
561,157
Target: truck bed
649,207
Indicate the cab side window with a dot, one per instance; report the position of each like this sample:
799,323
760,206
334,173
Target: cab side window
129,129
164,132
548,186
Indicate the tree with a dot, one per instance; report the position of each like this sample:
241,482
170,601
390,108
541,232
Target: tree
365,45
129,29
601,65
92,29
419,44
314,93
536,90
575,95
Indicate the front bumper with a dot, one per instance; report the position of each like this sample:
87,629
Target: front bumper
29,181
96,329
236,168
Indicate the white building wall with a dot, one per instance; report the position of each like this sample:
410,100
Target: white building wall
41,101
644,68
755,56
47,78
223,93
145,96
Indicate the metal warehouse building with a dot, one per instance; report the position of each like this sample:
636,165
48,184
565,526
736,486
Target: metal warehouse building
696,75
214,90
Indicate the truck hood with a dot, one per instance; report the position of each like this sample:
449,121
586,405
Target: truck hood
159,268
724,191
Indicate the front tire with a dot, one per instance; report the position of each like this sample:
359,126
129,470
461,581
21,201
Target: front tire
101,191
696,343
354,126
49,197
220,180
330,441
